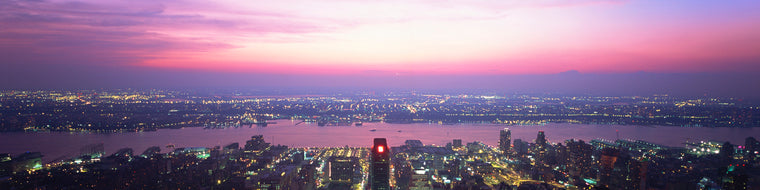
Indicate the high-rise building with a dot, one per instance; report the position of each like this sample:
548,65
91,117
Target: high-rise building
541,139
751,144
521,147
256,144
607,162
620,170
579,158
380,165
752,150
540,150
505,140
726,153
457,143
413,143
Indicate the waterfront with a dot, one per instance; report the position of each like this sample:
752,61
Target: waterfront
55,145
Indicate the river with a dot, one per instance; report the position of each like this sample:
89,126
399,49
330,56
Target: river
285,132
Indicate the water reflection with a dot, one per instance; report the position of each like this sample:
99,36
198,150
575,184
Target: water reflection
55,144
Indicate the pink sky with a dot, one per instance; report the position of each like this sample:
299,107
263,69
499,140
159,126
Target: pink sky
393,37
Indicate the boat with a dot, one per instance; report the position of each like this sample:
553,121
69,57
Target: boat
373,130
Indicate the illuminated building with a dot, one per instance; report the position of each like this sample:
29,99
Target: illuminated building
153,150
124,152
609,157
541,147
380,165
29,161
5,157
457,143
628,173
505,140
5,164
256,144
735,177
93,150
420,177
579,159
341,168
704,148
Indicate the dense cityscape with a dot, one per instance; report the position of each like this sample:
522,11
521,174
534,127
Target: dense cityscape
146,110
512,164
519,164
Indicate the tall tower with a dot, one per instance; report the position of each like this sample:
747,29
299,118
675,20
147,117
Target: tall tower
541,148
505,140
380,165
541,139
607,162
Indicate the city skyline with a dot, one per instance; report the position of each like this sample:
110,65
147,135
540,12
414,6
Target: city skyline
598,164
606,47
381,95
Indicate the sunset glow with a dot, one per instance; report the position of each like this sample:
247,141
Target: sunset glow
415,37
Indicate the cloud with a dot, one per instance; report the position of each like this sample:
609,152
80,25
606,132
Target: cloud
107,32
378,38
113,32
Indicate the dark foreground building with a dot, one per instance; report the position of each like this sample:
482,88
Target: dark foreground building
380,167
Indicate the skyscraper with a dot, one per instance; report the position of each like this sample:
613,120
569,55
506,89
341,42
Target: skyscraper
752,148
541,147
505,139
541,139
457,143
607,162
579,158
380,165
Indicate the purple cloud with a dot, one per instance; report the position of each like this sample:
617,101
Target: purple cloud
46,32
